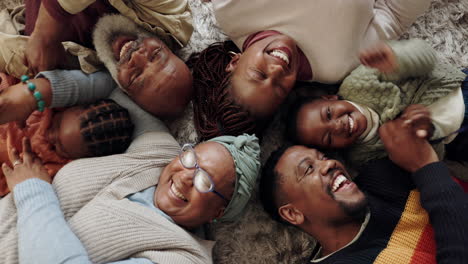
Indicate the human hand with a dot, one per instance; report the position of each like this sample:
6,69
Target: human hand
30,167
418,117
43,54
17,102
404,148
380,57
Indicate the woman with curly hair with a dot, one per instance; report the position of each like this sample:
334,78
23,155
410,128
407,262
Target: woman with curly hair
274,45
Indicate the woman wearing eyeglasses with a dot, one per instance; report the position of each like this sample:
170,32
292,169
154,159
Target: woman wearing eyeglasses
136,207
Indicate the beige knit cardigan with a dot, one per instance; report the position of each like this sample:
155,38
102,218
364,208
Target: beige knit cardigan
92,197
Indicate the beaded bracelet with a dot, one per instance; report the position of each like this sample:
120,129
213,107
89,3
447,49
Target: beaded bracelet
37,95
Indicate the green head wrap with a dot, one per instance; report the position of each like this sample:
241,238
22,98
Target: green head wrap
245,151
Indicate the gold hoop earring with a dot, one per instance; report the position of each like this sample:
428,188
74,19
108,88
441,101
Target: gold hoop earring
232,53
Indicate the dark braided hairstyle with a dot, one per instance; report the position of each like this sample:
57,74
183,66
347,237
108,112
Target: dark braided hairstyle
216,111
106,128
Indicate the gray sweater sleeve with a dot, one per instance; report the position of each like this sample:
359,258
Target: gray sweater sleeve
143,121
74,87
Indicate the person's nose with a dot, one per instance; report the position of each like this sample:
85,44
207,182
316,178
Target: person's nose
336,126
275,71
186,177
139,57
326,166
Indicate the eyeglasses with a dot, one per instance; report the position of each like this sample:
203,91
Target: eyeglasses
201,179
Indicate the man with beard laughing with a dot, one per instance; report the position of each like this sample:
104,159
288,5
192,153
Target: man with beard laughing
139,63
51,22
143,66
412,212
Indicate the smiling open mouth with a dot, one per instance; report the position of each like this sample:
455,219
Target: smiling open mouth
338,182
125,48
351,124
277,53
177,193
121,45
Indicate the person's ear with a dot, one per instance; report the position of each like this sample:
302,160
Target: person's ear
291,214
232,65
218,214
332,97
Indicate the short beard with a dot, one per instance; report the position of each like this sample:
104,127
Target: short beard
107,29
355,211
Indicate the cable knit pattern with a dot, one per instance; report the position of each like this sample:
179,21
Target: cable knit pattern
408,224
92,197
418,80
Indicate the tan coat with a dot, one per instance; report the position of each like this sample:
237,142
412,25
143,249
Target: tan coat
168,17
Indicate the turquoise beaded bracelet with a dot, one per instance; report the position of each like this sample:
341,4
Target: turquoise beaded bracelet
37,95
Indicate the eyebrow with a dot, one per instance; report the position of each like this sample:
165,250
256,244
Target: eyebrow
323,121
299,177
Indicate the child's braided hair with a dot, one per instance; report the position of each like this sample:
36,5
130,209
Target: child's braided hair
106,128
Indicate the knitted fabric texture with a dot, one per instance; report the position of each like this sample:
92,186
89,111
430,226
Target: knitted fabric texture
400,230
92,194
418,80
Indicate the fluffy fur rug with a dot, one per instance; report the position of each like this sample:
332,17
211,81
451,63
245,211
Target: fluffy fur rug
257,239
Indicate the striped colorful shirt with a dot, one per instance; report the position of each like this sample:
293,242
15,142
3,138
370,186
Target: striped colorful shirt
415,218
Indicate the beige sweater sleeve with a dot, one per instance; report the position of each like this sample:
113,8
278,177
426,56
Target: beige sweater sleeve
393,17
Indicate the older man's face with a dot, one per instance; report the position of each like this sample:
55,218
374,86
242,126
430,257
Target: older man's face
319,187
154,77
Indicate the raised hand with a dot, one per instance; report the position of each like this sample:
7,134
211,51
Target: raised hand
418,117
380,57
42,54
27,168
44,49
404,148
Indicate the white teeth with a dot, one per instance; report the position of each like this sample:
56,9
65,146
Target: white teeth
177,193
124,48
281,55
338,181
351,124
